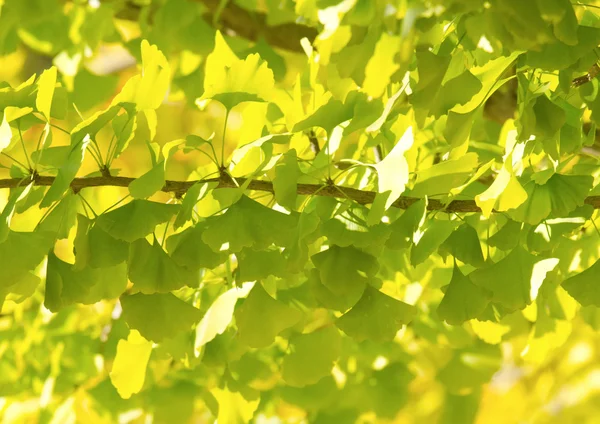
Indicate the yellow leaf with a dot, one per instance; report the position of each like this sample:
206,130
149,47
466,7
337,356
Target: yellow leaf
129,369
233,407
45,93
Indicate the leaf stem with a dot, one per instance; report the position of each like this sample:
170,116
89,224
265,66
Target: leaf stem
23,146
223,143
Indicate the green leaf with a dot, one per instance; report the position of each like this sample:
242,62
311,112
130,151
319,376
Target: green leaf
515,280
312,356
256,265
328,116
62,218
158,316
549,117
430,238
192,196
583,287
67,172
505,193
345,271
376,317
20,253
285,183
261,318
470,368
187,249
232,81
136,219
45,92
219,315
128,371
247,223
464,245
66,286
404,228
149,183
462,300
9,209
151,270
444,176
559,196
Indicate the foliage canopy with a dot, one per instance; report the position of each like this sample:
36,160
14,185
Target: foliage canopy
325,211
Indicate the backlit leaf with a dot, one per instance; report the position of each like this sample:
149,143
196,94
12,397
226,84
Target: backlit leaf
376,316
158,316
129,368
261,318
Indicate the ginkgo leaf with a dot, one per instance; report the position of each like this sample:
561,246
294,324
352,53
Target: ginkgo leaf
5,133
96,248
583,287
45,93
136,219
515,280
219,315
149,183
261,318
232,81
158,316
462,300
151,270
256,265
381,66
444,176
194,194
285,183
392,177
345,233
66,286
22,252
312,356
345,271
427,240
9,209
62,217
505,193
389,389
67,172
469,368
148,90
187,249
376,316
559,196
247,223
328,116
464,245
404,228
234,408
128,371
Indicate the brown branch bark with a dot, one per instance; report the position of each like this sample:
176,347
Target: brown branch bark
362,197
245,24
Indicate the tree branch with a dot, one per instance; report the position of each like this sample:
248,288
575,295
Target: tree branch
362,197
245,24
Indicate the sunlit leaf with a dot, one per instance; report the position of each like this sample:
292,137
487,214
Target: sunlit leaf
376,316
129,368
158,316
260,318
312,356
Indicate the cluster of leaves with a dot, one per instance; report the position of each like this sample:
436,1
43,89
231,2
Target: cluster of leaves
124,298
